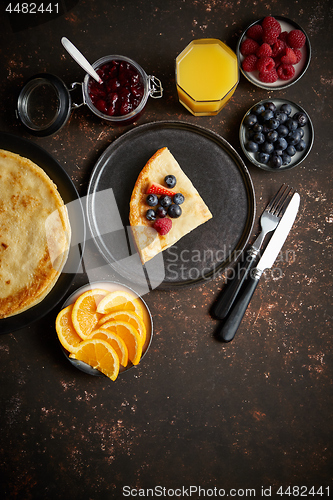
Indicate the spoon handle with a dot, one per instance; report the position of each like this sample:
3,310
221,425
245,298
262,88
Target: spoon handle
79,58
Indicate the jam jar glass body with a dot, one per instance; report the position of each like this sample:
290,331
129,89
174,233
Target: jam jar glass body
152,87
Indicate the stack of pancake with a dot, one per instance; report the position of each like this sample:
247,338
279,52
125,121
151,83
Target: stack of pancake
34,234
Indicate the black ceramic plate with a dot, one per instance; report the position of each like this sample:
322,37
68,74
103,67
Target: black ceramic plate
300,68
299,156
68,193
217,172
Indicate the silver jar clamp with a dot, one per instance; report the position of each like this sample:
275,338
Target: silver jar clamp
155,87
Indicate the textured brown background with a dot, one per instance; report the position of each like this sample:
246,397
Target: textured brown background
255,412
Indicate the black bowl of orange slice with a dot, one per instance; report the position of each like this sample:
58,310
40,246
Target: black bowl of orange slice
104,328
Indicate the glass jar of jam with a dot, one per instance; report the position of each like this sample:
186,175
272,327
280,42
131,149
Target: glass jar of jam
124,89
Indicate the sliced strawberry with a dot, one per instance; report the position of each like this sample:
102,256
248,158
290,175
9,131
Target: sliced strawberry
156,188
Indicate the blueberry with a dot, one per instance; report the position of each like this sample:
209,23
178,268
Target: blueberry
174,211
270,105
282,117
293,137
286,159
249,134
291,150
267,115
263,157
282,131
259,138
258,128
150,214
178,198
291,124
286,108
300,146
275,161
280,143
272,136
252,147
152,200
267,148
258,108
301,131
165,201
301,118
161,212
273,123
250,120
170,181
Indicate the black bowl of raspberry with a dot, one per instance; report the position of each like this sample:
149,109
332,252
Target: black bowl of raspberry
273,52
123,92
276,134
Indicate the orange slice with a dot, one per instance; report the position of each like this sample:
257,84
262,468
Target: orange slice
84,313
67,334
100,355
120,300
115,341
130,336
129,317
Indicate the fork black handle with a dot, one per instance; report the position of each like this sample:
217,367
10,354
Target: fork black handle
228,328
227,297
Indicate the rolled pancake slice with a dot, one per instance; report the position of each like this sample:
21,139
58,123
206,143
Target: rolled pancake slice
34,234
194,210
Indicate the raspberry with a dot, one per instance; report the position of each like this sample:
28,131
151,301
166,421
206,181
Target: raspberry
289,57
163,226
298,55
264,50
265,64
250,63
286,71
277,61
255,32
278,48
248,47
268,76
284,36
271,22
270,35
296,39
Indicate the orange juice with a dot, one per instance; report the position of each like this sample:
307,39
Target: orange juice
207,75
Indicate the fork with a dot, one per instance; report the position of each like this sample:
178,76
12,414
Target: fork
268,222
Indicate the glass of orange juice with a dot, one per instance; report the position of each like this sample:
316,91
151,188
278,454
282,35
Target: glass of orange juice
207,75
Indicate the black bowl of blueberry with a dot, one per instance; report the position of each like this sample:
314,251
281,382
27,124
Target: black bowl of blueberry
276,134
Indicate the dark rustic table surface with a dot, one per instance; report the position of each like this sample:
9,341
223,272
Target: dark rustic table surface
250,417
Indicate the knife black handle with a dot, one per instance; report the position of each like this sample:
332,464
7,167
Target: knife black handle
227,297
229,327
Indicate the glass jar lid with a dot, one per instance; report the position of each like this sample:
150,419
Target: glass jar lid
44,104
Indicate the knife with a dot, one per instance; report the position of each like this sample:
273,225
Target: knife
229,327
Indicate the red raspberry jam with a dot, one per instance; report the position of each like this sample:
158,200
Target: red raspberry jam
121,90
